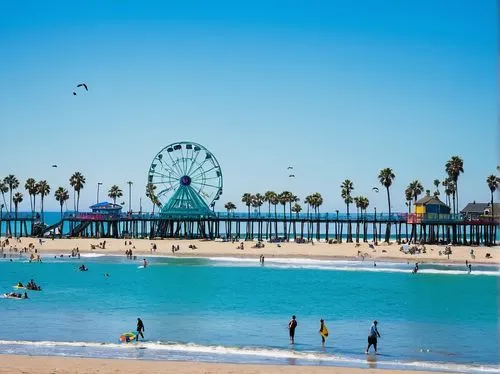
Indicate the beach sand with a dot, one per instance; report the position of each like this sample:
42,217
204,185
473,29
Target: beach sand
205,248
15,364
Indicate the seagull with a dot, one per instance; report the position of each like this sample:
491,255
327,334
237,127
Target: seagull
291,176
375,189
54,166
290,167
82,85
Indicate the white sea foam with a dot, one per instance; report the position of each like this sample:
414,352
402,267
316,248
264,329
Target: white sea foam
92,255
191,348
345,265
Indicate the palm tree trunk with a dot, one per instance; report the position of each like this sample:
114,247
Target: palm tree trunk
77,200
388,227
15,222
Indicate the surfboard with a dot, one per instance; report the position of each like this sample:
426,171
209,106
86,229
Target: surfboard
7,296
19,288
324,332
127,337
140,267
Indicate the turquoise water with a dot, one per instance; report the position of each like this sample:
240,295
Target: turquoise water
234,310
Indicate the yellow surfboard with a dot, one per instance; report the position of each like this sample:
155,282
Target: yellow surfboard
324,331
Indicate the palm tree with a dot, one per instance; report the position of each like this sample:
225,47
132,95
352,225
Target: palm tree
416,189
346,188
364,203
62,196
284,198
13,183
385,177
296,208
437,182
150,193
30,186
4,189
357,204
409,198
77,181
230,207
450,190
454,167
247,200
18,198
258,200
268,197
43,189
114,193
493,181
309,200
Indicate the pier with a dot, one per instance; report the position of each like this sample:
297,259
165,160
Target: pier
331,227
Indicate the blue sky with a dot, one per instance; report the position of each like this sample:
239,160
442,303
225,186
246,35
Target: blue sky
338,89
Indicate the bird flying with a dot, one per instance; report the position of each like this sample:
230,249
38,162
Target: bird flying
81,85
291,176
290,167
54,166
375,189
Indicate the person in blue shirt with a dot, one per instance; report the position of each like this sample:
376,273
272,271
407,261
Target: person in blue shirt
372,337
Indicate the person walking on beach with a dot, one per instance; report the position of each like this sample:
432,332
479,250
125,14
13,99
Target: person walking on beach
323,331
372,337
140,329
291,328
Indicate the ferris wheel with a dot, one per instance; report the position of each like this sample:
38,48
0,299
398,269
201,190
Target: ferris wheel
185,177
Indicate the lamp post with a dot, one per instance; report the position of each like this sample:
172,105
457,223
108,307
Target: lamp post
98,186
130,196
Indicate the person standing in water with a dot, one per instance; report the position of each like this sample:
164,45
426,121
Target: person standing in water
144,262
291,327
372,337
323,331
140,329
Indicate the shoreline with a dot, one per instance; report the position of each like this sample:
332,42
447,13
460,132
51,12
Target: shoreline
13,364
382,252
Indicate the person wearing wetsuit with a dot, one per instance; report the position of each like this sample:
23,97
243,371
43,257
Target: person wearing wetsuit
140,329
291,327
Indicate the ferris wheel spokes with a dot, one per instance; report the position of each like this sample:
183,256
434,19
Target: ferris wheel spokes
174,163
168,167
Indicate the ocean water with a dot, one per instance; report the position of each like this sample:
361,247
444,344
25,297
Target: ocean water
235,310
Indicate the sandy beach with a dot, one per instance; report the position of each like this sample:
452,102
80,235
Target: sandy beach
13,364
350,251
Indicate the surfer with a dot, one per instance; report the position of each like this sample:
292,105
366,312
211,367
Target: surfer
372,337
323,331
291,327
140,329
